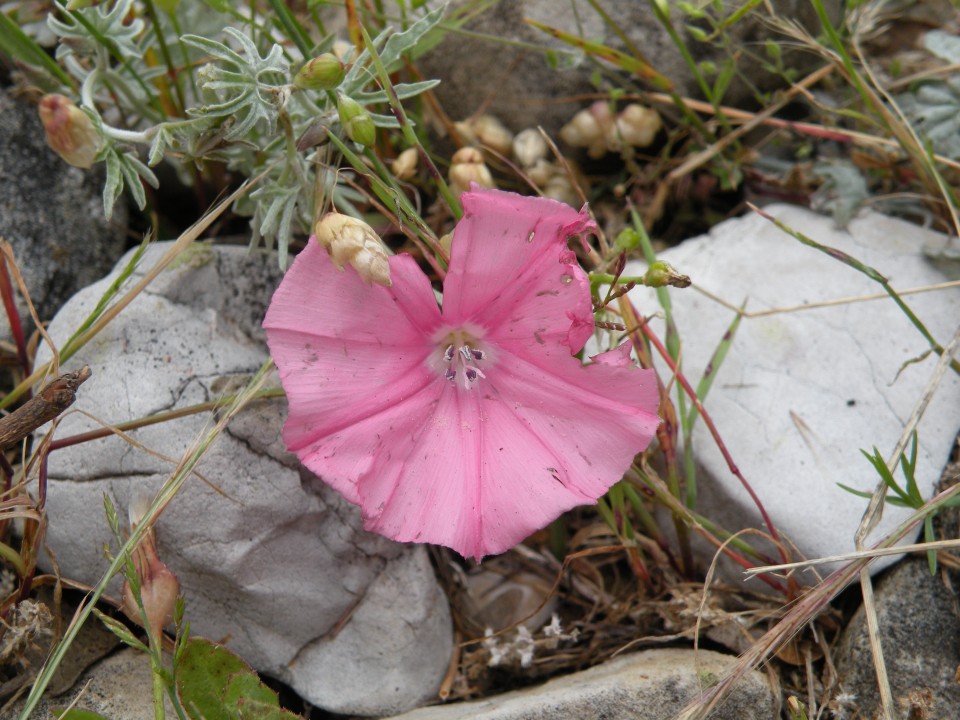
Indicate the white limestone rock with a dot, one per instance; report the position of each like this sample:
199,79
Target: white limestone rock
800,393
647,685
271,560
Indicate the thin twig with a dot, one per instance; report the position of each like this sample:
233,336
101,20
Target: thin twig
42,408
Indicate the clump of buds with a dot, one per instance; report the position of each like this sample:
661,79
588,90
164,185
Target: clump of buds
600,131
70,131
324,72
405,166
467,166
486,130
356,121
159,587
352,241
636,126
529,147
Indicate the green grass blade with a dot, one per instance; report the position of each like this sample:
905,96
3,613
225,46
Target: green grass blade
18,45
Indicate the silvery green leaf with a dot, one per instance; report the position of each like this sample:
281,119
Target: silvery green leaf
109,20
935,111
404,91
243,90
843,192
114,182
386,121
401,42
945,46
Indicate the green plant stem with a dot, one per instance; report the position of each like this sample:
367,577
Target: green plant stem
167,57
407,129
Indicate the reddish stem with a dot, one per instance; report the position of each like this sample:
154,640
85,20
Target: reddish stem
13,315
649,334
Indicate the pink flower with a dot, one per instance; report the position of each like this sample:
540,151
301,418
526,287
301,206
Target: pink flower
473,426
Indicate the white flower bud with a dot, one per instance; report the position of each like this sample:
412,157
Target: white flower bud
589,129
560,188
542,171
405,166
352,241
637,125
486,130
466,166
529,147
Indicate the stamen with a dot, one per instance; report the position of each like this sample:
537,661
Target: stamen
450,374
448,353
478,354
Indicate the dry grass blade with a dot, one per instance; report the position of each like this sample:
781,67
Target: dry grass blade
817,598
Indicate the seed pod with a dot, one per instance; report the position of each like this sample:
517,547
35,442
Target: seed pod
324,72
356,121
352,241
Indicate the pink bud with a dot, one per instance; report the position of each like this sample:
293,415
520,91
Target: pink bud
69,131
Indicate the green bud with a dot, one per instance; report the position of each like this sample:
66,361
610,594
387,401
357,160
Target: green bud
324,72
356,121
628,239
661,274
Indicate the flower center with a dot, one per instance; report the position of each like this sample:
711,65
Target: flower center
462,356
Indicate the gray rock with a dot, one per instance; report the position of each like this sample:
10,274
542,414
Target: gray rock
648,685
120,686
270,559
52,214
920,637
800,393
523,89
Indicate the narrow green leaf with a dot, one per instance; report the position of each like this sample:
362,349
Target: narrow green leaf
20,46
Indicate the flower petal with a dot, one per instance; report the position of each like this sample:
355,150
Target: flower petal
512,273
494,464
346,351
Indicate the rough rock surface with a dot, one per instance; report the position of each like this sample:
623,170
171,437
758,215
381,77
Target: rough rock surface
119,686
800,393
920,637
52,215
649,685
269,558
523,89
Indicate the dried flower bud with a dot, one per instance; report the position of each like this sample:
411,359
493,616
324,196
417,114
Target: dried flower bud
356,121
487,130
542,171
529,147
324,72
352,241
661,274
405,166
636,126
560,188
467,166
446,243
316,135
69,131
589,129
159,587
